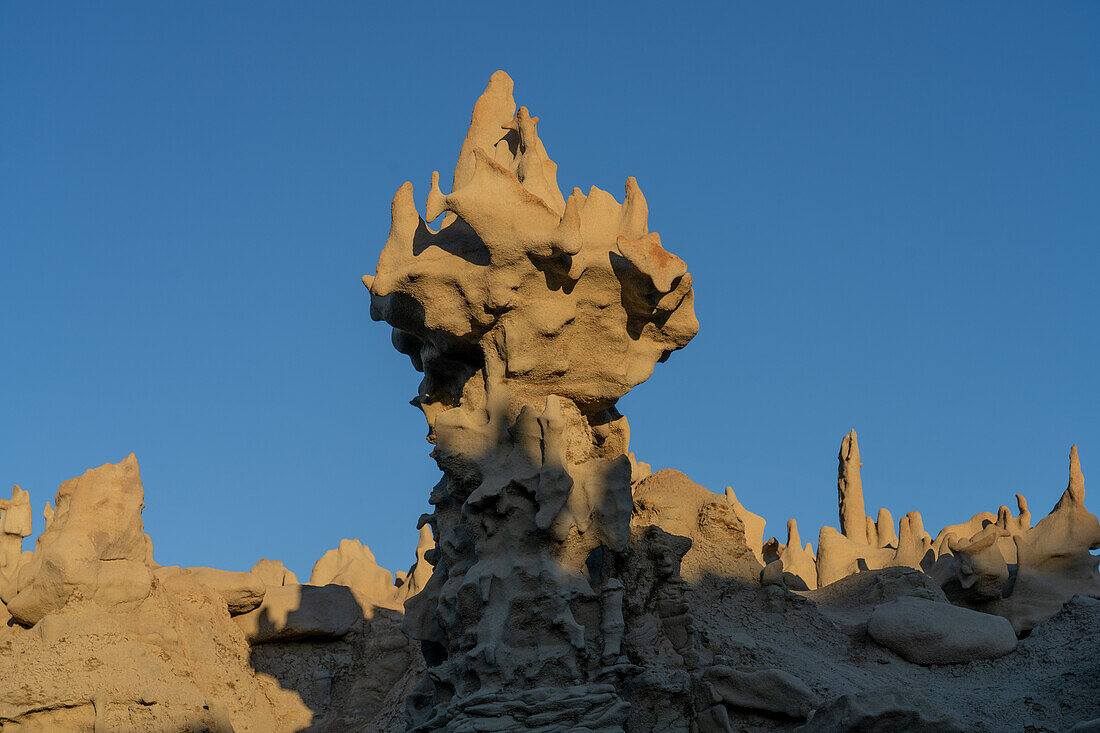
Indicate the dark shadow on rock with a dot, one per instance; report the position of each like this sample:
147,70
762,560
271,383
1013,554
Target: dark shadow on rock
458,239
347,660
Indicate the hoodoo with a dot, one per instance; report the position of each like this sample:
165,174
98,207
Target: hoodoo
530,314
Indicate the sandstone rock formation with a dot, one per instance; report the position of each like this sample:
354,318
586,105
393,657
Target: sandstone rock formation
563,563
242,592
769,690
94,548
794,566
849,486
273,572
679,506
1023,573
15,524
850,602
353,565
559,583
996,563
530,315
295,612
1055,560
753,523
420,573
112,647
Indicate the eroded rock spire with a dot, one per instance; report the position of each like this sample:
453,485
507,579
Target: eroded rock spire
530,315
849,484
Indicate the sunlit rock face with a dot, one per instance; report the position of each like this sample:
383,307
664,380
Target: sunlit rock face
530,314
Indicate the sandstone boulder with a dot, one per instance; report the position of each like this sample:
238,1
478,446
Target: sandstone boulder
925,632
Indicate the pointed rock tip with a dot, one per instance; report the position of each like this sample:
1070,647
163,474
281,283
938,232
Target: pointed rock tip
426,536
849,446
1076,486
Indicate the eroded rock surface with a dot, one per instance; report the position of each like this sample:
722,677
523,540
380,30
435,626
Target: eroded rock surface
880,711
559,583
295,612
926,632
94,547
530,314
352,564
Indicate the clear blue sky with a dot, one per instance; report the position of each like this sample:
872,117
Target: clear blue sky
891,210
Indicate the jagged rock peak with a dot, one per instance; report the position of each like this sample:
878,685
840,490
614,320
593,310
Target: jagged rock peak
575,298
1076,488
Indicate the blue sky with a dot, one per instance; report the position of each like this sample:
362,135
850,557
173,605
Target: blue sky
891,211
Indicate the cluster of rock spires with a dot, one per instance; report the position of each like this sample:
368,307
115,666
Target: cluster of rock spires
996,563
559,584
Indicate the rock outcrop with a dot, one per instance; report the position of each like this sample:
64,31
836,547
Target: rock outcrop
1055,560
273,572
241,591
420,573
530,315
995,563
881,711
94,548
1021,572
117,644
296,612
849,486
15,524
794,566
719,545
352,564
768,690
559,583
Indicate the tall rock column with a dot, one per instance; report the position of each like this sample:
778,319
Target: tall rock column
530,315
849,485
